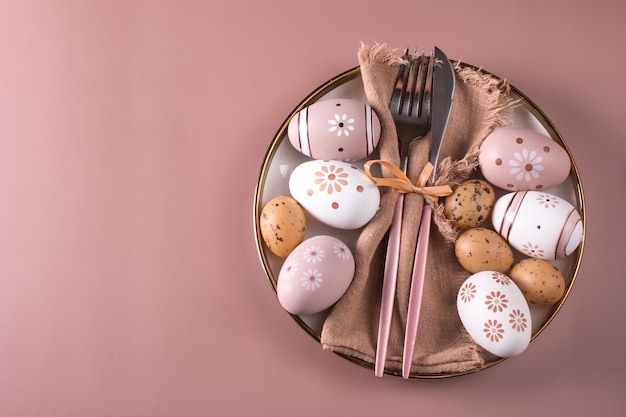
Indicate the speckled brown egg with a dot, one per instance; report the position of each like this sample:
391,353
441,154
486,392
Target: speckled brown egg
541,282
470,204
481,249
283,225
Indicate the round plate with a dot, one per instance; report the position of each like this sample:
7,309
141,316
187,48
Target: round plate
281,158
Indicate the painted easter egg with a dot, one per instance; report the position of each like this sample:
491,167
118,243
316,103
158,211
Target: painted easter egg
341,129
517,159
494,313
315,275
336,193
538,224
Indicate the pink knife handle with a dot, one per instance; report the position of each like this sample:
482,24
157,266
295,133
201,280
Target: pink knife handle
417,285
390,278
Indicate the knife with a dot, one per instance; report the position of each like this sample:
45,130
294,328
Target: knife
442,95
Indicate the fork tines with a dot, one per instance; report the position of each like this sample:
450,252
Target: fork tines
410,82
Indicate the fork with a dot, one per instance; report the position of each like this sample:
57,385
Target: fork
410,107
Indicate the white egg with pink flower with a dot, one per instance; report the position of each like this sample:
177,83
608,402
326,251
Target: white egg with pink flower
495,313
336,193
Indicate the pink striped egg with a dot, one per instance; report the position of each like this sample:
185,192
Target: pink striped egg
340,129
538,224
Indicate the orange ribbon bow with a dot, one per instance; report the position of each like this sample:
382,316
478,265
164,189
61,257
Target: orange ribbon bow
400,183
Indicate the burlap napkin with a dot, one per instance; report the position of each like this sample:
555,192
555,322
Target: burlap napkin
442,345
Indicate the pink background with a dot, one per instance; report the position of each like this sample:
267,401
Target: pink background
131,138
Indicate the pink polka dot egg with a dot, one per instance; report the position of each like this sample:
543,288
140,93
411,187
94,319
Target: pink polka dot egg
335,193
518,159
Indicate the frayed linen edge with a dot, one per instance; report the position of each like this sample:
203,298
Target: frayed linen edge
378,53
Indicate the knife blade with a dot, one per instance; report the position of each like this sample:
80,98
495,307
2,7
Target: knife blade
442,96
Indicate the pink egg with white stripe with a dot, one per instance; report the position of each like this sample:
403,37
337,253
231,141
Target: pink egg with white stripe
340,129
538,224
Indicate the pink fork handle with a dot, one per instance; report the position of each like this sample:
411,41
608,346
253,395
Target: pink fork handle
390,278
417,285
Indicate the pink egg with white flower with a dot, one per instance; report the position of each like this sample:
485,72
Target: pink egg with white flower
517,159
315,275
342,129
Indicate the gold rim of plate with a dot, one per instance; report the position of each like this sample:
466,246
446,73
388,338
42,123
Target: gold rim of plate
352,74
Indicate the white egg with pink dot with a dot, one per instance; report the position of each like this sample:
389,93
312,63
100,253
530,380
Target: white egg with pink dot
336,193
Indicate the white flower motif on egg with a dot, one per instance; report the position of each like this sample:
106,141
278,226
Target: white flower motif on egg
289,269
526,165
311,279
341,124
313,254
342,251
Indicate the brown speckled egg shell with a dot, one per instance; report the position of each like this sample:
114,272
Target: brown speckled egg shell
541,282
481,249
470,204
283,225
